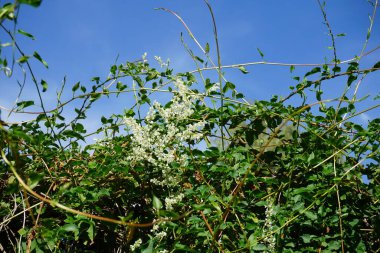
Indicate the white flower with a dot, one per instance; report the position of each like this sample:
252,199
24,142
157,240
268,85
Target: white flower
161,235
144,57
169,202
160,61
136,245
155,228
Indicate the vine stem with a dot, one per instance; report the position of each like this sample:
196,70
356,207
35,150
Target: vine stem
285,64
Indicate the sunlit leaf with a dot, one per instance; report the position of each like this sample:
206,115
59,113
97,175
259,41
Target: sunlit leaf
38,57
243,70
207,48
25,34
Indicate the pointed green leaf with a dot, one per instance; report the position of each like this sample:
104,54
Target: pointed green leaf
157,204
368,33
75,87
242,69
199,59
148,249
313,71
23,59
207,48
25,34
70,227
311,215
34,3
23,104
38,57
44,85
377,65
260,52
7,11
22,231
83,89
90,232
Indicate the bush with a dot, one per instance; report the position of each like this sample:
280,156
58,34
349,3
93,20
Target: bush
190,175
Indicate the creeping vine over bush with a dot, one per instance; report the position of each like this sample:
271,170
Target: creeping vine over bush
206,171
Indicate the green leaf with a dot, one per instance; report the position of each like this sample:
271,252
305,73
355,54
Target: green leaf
7,11
38,57
239,95
148,249
307,238
361,247
334,245
341,35
228,86
243,70
292,68
157,204
351,79
95,96
70,227
26,34
207,48
368,33
199,59
23,59
75,87
260,247
336,69
34,3
92,164
377,65
23,104
44,85
22,231
90,232
120,86
313,71
183,248
310,215
260,52
113,69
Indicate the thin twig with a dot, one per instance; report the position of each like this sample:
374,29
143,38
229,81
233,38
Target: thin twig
330,30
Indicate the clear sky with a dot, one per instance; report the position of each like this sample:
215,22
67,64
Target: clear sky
82,39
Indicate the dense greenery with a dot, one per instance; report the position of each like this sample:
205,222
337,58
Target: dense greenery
205,172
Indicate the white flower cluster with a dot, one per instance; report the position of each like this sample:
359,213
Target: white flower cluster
270,239
136,245
158,144
159,235
169,202
144,57
161,62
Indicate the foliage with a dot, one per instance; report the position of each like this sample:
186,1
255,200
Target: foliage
191,176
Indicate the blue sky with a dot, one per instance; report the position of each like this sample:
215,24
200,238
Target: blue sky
82,39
